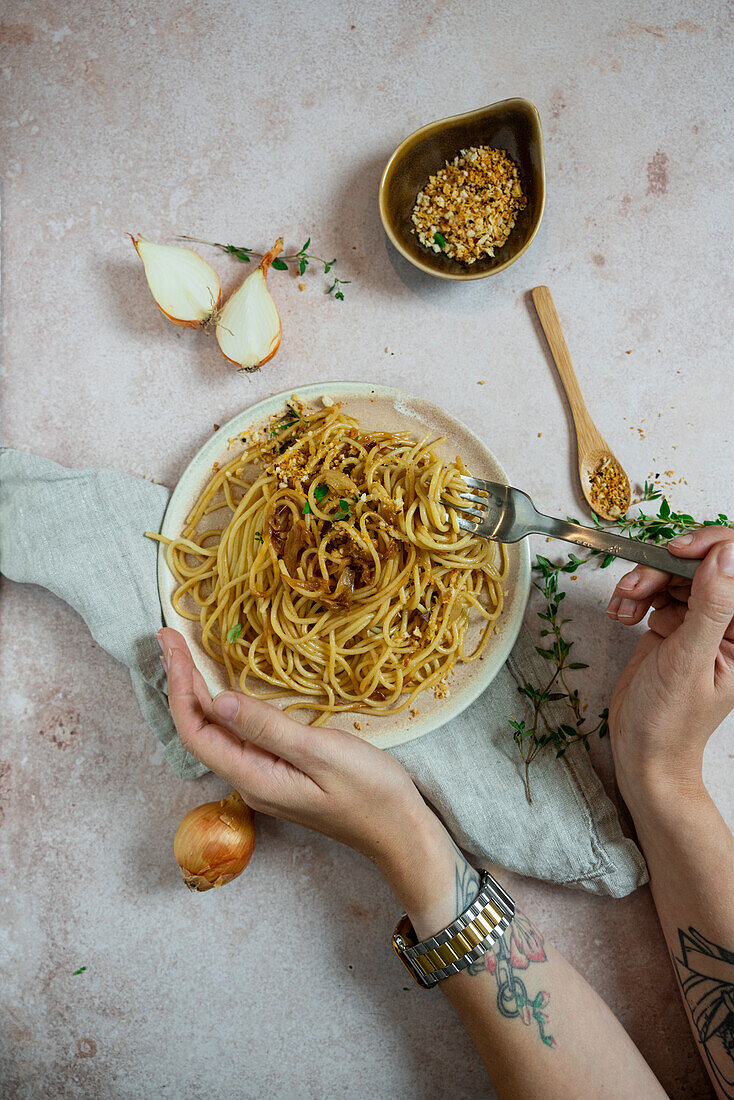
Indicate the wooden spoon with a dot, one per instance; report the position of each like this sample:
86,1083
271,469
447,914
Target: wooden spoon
593,450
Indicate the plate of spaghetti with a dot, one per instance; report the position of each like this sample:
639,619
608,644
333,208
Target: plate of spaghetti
307,558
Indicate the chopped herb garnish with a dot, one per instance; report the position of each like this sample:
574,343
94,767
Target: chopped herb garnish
343,512
292,417
80,970
233,633
307,509
258,536
440,239
320,492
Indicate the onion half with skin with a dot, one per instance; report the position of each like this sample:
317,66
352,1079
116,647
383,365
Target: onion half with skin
249,328
214,843
185,287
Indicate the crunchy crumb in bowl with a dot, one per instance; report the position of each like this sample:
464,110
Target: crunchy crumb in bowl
609,488
469,207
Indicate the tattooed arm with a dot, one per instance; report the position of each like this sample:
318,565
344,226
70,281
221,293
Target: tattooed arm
676,690
540,1029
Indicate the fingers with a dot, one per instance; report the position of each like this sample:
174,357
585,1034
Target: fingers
262,724
246,766
636,591
634,594
667,618
711,603
217,748
696,544
251,720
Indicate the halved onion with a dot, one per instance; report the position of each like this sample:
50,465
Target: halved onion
184,286
249,328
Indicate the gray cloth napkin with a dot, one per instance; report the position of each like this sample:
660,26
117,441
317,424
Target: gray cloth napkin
79,533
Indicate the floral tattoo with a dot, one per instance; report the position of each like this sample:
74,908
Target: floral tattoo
521,944
706,975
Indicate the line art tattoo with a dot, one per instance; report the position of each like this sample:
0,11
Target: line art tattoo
706,975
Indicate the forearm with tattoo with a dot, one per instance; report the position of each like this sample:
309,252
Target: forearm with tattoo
521,945
706,975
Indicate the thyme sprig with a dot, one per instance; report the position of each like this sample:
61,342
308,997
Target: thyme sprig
337,285
300,260
536,735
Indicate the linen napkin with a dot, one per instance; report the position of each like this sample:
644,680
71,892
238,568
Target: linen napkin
79,533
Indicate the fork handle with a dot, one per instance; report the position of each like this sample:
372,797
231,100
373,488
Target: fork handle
644,553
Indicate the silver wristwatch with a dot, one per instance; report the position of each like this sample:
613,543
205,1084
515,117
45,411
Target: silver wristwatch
460,944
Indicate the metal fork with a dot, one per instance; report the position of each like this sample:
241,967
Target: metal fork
505,514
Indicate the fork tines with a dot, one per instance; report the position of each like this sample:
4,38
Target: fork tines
466,524
476,499
462,515
461,509
464,511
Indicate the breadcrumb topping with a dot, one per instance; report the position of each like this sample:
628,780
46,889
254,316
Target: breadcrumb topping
609,488
469,207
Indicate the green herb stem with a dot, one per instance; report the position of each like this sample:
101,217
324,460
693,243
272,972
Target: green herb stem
531,739
301,259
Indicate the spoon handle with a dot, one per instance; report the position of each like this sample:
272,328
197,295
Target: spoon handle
644,553
587,433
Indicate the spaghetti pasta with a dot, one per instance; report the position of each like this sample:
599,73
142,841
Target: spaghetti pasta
332,570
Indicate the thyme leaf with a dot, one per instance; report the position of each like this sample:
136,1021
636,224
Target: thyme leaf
298,260
337,285
540,733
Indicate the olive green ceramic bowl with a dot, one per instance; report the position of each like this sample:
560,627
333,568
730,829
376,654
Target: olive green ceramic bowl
512,124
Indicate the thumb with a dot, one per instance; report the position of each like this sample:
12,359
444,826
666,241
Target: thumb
711,603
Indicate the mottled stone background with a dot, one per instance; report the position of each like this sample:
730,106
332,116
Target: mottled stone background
237,122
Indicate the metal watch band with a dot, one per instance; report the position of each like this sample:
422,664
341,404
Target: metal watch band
462,942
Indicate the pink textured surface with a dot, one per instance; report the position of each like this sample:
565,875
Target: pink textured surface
240,122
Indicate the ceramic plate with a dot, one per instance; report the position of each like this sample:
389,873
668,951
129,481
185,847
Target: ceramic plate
376,407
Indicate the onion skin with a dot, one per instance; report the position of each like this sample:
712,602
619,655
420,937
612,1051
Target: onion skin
181,324
214,843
